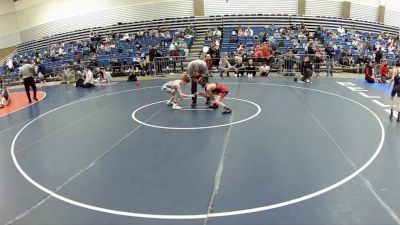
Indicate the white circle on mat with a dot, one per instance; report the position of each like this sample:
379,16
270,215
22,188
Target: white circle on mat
201,216
196,128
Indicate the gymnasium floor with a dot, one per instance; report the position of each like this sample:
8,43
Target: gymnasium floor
291,153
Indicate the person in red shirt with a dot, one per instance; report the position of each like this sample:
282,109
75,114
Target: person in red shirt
266,52
217,93
368,73
384,71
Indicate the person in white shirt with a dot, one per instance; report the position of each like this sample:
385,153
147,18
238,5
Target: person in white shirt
10,64
341,30
174,89
27,72
264,70
248,32
89,80
5,97
106,75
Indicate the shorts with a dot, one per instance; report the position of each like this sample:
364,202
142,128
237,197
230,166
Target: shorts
223,94
168,90
396,90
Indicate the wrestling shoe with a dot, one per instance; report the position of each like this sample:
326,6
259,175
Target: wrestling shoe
227,111
213,106
169,103
176,106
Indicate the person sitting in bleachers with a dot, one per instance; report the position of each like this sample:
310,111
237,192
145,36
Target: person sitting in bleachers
183,46
248,32
209,34
240,32
173,50
241,50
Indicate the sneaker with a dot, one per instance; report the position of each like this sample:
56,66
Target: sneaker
227,111
35,99
193,105
208,102
176,106
307,81
213,106
169,103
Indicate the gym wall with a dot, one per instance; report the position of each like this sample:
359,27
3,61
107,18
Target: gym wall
392,12
58,16
8,24
223,7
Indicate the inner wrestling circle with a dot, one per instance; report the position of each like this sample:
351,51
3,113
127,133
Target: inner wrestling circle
136,112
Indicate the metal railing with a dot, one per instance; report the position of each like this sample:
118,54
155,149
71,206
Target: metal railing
288,65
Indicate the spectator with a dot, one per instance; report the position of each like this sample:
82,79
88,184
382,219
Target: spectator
306,64
368,73
248,32
224,66
266,52
10,65
209,34
106,75
107,49
89,79
258,53
250,69
183,46
289,63
360,63
341,30
240,31
239,67
379,55
209,63
384,71
5,99
264,70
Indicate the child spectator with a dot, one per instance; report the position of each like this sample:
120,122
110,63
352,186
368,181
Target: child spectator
251,69
5,97
368,73
384,71
264,70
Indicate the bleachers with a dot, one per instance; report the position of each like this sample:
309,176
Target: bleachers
228,44
203,23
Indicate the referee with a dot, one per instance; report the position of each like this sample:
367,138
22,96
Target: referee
197,69
27,73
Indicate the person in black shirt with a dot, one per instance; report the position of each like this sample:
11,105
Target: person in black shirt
306,70
360,62
330,51
378,56
251,69
396,90
153,53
